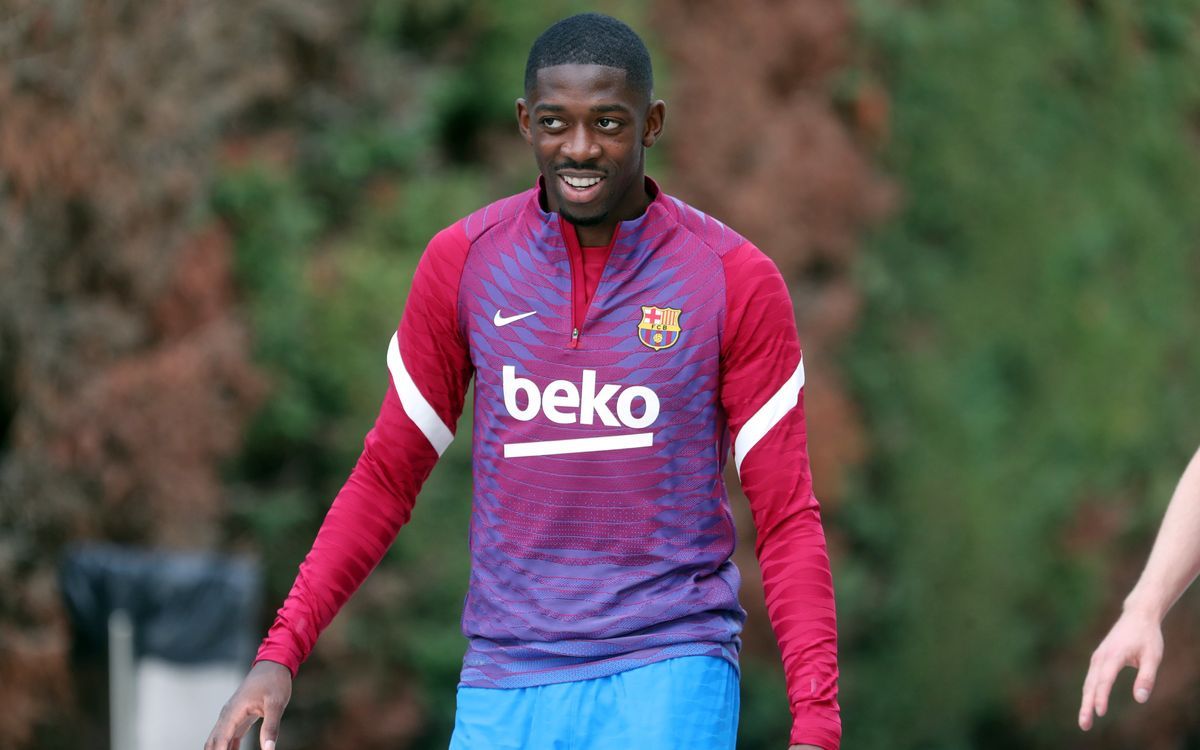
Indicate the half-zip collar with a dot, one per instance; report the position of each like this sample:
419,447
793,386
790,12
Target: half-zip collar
579,297
579,300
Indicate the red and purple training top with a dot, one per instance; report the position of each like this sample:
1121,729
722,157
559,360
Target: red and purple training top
601,532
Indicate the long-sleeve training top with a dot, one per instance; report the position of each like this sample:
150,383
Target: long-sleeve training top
601,531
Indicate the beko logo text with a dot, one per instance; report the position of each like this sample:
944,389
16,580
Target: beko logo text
563,402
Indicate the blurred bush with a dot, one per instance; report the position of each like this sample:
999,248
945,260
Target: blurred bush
1027,362
1019,341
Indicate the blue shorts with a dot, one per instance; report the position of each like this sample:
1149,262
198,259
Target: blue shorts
685,703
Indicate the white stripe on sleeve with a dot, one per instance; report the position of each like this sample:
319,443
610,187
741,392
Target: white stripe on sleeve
757,427
415,405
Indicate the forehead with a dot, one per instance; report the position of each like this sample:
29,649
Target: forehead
586,85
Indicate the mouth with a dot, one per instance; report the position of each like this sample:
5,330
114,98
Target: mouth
580,188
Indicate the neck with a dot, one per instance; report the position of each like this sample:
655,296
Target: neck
633,205
597,235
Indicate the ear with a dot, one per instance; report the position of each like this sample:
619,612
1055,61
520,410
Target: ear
656,116
523,121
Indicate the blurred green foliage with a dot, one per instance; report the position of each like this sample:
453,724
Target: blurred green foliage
1028,358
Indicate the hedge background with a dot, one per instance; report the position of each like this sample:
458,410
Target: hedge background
988,213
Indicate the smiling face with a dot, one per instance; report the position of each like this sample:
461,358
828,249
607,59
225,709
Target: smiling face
589,130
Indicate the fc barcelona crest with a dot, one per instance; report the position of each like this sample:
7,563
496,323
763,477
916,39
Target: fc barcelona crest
659,328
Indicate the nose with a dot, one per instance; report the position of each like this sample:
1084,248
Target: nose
581,145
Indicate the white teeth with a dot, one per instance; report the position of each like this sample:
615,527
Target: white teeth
580,182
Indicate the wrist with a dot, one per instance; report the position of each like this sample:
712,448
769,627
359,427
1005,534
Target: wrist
1142,606
272,669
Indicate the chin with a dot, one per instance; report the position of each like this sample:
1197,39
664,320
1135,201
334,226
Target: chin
584,221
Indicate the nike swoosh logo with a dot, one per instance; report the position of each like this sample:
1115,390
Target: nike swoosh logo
502,321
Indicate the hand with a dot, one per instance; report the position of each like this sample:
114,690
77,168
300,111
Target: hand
1134,641
263,693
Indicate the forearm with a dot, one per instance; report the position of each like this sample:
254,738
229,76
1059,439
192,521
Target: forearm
356,533
800,603
797,582
430,368
1175,558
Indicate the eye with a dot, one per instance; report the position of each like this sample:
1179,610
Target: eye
551,123
608,124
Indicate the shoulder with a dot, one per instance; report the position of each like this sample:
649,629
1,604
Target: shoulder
706,230
452,244
745,265
497,214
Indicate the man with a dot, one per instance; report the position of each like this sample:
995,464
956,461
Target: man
619,340
1136,639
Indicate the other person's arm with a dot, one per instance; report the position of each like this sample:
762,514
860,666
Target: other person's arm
1136,638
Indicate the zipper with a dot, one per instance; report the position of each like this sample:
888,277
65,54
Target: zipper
579,306
575,255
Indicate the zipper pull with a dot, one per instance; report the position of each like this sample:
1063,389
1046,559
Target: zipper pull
574,338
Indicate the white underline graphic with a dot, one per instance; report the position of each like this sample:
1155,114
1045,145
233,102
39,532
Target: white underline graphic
579,445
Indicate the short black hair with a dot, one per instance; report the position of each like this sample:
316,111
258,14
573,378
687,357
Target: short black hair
591,39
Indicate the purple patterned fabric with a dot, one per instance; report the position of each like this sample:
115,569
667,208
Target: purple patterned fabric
585,564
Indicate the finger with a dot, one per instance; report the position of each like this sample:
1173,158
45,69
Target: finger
219,738
230,728
240,730
1109,668
219,730
270,726
1086,705
1143,686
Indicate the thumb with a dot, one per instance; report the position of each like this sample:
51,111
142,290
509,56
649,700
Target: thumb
1147,670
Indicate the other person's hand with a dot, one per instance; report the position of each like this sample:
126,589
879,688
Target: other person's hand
1134,641
264,693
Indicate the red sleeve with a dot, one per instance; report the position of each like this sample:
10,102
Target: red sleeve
429,369
762,375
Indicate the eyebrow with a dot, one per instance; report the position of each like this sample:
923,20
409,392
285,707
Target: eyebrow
599,108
